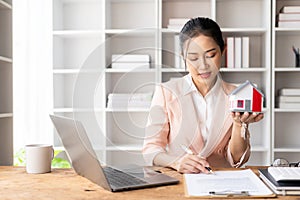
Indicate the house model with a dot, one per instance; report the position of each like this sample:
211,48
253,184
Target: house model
246,98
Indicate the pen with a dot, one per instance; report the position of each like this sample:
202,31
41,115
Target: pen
189,151
209,169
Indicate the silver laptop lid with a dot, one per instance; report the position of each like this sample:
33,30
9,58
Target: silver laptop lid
79,150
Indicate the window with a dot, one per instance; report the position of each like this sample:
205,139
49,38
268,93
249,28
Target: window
240,103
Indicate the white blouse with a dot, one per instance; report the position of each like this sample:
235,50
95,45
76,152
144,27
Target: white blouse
207,111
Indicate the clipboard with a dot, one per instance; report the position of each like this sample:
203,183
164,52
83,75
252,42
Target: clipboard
226,184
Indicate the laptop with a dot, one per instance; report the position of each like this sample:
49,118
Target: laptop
84,161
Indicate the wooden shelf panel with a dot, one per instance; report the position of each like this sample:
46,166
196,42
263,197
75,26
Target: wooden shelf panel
109,70
287,69
6,115
6,83
77,33
287,149
5,59
71,110
127,110
5,5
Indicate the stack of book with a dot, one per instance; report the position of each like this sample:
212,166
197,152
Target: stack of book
178,59
237,54
130,61
177,23
289,17
129,100
291,187
288,98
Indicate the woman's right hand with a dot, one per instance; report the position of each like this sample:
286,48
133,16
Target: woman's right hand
192,164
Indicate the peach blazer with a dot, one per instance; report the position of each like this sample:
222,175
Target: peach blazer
173,121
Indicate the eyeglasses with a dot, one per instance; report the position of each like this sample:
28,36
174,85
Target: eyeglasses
281,162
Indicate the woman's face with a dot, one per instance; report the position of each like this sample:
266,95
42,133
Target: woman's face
203,59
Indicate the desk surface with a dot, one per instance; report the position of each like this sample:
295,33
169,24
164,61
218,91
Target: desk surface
65,184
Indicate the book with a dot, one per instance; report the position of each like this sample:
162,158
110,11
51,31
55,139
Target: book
290,9
288,17
230,52
284,105
130,65
130,58
178,60
128,104
289,24
245,52
175,26
280,187
286,192
285,174
131,96
131,100
289,92
178,21
288,99
237,52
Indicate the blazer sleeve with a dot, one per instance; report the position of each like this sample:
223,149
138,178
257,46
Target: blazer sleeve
157,128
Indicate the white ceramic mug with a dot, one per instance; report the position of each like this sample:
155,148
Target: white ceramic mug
38,158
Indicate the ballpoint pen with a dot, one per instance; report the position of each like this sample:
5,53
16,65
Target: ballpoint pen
189,151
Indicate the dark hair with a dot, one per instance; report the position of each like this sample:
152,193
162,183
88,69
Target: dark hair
201,26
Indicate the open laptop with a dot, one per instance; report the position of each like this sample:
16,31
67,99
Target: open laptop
85,162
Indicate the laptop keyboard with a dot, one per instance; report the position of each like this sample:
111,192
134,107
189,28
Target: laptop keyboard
118,178
285,173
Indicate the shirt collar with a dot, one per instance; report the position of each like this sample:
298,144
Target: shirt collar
191,87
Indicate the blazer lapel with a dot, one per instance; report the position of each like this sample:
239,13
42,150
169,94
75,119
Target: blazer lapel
186,114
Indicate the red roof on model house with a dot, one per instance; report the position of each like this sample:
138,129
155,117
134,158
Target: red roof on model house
246,98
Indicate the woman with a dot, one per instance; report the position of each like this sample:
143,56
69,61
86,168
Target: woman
193,111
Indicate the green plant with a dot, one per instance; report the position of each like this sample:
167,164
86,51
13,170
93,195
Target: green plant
19,157
57,162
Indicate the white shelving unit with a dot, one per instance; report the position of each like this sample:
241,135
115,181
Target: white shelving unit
6,110
285,143
130,28
78,29
87,33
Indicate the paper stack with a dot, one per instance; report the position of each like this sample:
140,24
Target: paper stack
130,61
289,17
177,23
237,54
288,98
129,100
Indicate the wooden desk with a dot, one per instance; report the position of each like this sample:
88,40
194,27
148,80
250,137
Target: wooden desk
65,184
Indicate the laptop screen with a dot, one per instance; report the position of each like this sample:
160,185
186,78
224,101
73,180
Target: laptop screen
79,150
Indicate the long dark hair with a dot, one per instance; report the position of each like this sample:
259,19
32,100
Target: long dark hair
201,26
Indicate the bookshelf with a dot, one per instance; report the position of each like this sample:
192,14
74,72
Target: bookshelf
6,101
87,33
285,142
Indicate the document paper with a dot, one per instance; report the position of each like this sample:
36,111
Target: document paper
228,182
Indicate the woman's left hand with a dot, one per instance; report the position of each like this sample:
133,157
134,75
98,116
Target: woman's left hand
247,117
